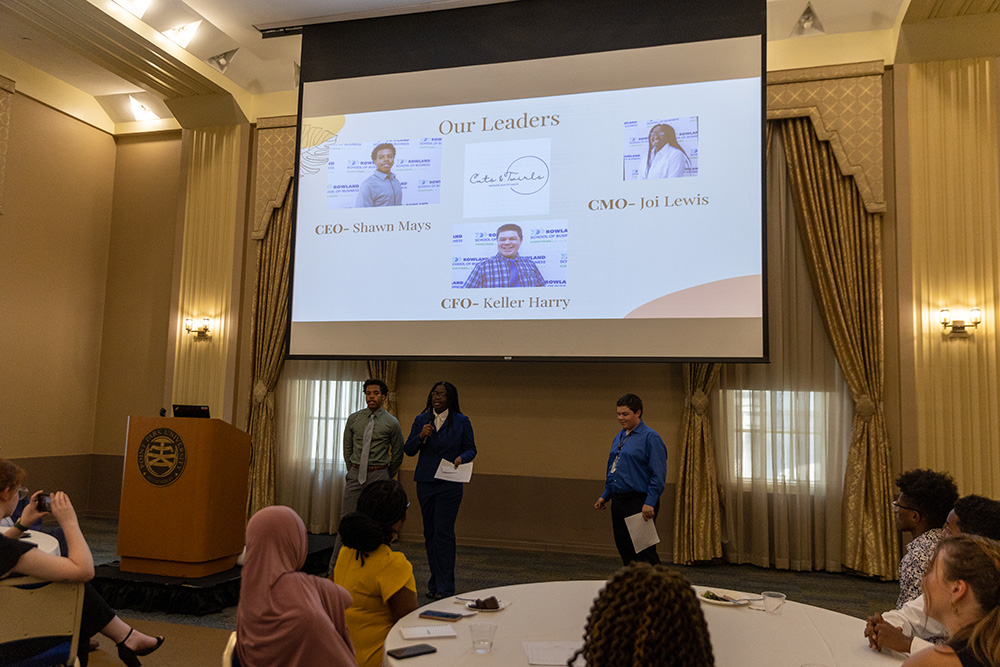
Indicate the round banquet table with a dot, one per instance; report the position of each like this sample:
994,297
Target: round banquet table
557,612
43,541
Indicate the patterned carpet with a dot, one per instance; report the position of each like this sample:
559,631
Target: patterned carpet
480,568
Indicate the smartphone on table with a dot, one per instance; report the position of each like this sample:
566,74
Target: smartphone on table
410,651
441,615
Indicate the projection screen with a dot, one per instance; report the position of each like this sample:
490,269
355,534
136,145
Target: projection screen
594,205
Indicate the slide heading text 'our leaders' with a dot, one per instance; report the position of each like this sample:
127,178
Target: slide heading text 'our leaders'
523,122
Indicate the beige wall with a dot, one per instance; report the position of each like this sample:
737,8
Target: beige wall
543,433
140,272
547,419
54,242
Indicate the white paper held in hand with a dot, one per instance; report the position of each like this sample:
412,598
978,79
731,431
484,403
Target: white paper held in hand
642,532
449,473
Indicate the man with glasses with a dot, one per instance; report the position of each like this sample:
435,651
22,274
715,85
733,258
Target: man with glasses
925,498
909,629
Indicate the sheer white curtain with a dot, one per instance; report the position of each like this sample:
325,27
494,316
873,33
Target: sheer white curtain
314,398
783,428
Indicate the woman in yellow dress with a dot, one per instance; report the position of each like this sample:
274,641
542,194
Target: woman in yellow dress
379,579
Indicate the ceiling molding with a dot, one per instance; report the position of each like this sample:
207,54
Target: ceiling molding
102,39
922,10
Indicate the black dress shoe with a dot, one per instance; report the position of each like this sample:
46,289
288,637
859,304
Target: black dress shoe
431,595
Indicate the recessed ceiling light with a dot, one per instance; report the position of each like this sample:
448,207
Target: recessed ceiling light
182,35
135,7
221,61
808,23
141,111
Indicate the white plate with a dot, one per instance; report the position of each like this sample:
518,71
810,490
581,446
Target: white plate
503,605
725,603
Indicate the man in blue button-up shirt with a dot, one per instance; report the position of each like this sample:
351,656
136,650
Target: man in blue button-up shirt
637,474
381,188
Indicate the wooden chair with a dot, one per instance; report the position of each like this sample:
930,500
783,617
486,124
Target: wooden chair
227,655
42,609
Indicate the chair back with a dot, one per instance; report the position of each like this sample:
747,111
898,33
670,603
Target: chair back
44,609
227,655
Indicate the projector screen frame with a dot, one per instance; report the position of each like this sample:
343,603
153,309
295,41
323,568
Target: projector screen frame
581,22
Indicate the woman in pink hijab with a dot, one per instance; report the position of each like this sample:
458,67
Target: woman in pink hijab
288,617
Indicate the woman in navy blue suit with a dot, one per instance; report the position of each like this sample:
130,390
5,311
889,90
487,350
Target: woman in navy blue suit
440,433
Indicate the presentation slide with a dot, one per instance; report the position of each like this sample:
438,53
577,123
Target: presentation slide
589,209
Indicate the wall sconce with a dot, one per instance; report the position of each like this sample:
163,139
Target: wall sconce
202,331
960,328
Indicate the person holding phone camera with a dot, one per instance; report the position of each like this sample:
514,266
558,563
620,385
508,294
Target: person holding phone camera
77,565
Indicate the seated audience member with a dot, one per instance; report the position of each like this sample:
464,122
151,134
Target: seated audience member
925,498
287,617
962,590
646,615
379,579
78,565
910,628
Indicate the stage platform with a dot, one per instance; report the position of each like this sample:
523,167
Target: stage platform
195,596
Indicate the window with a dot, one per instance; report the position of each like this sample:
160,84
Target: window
331,402
780,435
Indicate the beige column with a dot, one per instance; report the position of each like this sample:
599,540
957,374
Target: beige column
210,266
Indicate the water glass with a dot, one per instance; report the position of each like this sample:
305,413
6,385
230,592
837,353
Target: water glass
773,601
482,636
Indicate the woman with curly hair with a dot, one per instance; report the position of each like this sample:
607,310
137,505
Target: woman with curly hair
645,616
379,579
962,590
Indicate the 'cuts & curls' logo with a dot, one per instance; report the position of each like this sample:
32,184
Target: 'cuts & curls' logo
526,175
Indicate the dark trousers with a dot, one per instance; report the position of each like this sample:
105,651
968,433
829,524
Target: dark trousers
95,615
439,502
627,504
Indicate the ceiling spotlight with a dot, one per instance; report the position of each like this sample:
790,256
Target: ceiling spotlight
221,61
182,35
134,7
808,23
140,111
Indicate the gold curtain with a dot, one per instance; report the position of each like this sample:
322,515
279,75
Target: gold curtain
269,326
697,516
386,371
842,244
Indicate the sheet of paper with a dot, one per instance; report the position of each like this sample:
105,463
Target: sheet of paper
427,631
550,653
449,473
642,532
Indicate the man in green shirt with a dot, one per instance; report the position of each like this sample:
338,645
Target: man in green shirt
373,450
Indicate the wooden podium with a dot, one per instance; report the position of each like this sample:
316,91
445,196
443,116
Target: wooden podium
184,496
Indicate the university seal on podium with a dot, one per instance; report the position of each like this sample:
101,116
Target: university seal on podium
161,457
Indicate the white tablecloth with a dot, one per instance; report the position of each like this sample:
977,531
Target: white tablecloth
43,541
557,611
